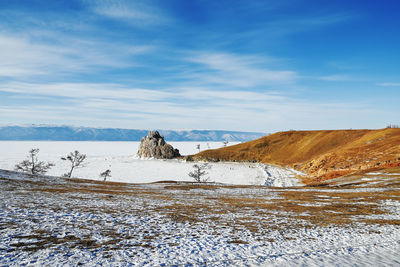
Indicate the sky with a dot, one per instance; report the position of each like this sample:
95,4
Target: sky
201,64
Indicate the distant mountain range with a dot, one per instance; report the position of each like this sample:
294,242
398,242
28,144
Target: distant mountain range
68,133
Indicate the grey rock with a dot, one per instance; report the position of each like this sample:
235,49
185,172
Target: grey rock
154,146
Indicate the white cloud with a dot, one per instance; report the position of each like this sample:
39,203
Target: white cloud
238,71
281,27
390,84
21,56
121,97
83,90
300,24
231,95
336,78
139,13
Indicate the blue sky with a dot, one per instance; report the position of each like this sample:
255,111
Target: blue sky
200,64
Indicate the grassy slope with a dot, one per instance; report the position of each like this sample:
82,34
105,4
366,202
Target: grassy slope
320,154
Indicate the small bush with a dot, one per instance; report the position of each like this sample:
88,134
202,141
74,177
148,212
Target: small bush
105,175
199,172
32,165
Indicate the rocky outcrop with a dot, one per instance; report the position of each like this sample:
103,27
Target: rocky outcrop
154,146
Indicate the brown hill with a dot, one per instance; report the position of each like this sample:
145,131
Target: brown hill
320,154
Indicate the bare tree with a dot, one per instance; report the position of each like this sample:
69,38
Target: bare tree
105,175
199,172
32,165
76,159
198,147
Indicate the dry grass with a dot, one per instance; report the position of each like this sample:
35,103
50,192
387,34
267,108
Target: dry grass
333,209
94,182
191,187
237,242
381,221
45,240
387,178
315,207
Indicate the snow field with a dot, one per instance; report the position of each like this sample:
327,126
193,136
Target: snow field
170,224
121,159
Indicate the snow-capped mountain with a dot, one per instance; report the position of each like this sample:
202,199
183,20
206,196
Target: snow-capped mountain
68,133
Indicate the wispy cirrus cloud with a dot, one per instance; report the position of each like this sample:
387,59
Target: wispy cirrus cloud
139,13
308,23
238,70
22,56
52,44
276,29
113,92
389,84
336,78
83,90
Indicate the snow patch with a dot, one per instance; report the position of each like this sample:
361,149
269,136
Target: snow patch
281,177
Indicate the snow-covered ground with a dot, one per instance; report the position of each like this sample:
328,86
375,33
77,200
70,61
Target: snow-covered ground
125,166
47,221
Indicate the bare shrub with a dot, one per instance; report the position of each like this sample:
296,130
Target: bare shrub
76,159
198,147
32,165
105,174
199,172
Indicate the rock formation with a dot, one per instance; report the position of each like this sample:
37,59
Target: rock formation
154,146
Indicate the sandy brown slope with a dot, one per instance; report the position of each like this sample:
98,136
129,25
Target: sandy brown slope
320,154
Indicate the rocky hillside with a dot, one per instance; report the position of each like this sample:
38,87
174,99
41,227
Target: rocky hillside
320,154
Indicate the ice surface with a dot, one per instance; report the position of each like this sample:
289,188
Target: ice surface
125,166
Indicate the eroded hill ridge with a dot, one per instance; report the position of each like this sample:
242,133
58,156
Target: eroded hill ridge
321,154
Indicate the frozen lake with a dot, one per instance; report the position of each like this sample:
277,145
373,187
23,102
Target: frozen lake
125,166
